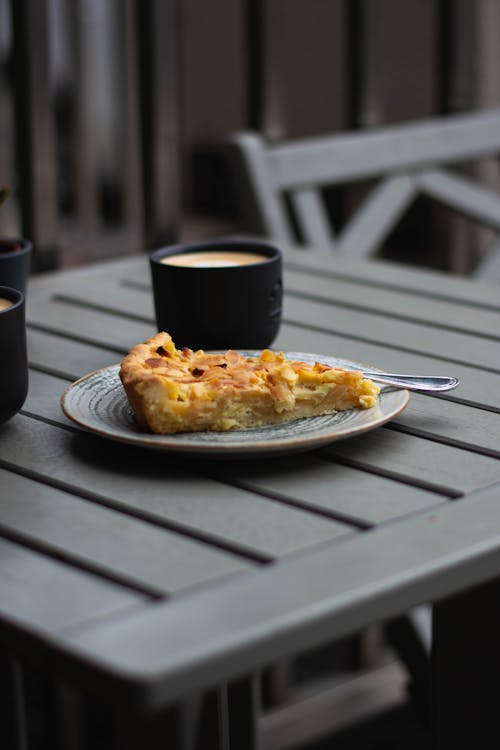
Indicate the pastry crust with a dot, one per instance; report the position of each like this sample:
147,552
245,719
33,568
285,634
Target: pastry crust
173,390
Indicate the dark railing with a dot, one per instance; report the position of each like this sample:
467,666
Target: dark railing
67,195
114,113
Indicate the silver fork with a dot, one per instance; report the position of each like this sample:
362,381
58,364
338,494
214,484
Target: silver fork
433,383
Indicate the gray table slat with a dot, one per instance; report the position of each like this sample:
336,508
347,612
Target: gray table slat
128,297
388,302
337,489
437,358
87,325
44,397
134,552
441,417
314,598
477,386
464,425
383,273
26,576
424,415
332,487
129,264
429,283
411,337
162,488
399,455
111,291
405,458
70,358
419,459
377,272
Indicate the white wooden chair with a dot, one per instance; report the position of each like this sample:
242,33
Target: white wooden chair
407,159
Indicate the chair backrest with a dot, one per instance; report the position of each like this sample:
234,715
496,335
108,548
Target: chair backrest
408,160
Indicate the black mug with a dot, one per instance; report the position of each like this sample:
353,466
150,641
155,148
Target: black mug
13,357
15,262
218,294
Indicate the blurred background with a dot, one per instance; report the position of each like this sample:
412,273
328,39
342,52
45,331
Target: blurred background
115,114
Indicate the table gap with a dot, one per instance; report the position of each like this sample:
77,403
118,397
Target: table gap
78,302
298,324
239,551
438,489
120,313
76,337
79,563
412,481
374,311
391,286
472,448
60,374
145,286
386,344
359,523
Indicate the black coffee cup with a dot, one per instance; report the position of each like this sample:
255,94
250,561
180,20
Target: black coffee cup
218,294
15,262
13,357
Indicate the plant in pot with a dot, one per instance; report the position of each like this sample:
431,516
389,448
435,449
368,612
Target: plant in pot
15,257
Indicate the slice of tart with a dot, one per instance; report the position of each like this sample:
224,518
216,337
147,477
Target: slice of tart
172,390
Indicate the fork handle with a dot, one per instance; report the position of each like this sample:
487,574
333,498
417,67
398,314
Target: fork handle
414,382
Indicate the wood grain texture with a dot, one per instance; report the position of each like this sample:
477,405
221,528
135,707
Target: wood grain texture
398,304
465,426
88,326
342,492
111,544
389,276
463,348
162,489
70,359
420,460
41,594
335,488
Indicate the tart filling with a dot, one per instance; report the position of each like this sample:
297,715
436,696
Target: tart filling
172,390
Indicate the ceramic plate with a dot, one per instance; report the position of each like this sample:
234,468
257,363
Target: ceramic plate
98,403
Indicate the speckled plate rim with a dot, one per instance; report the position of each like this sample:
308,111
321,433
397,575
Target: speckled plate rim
290,437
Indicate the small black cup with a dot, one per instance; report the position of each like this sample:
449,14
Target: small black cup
15,262
222,306
13,357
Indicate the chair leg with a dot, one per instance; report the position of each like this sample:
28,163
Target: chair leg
244,705
200,723
276,684
404,637
14,729
136,731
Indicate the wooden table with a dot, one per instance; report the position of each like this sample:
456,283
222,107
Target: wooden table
134,583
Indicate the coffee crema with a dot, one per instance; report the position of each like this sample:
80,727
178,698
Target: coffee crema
5,303
213,259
